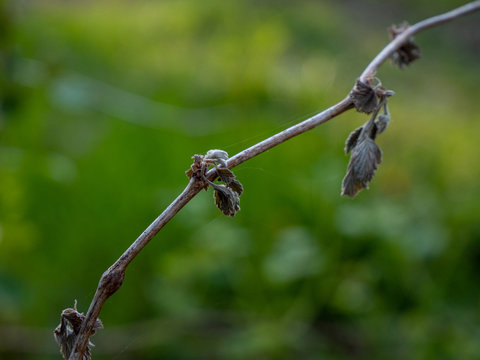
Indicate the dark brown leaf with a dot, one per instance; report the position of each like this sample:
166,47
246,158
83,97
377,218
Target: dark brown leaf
365,158
363,97
227,200
408,52
65,337
228,177
236,186
196,168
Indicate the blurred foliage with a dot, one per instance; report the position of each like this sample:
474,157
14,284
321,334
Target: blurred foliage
104,103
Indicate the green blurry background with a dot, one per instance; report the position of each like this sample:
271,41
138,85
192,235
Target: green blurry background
104,103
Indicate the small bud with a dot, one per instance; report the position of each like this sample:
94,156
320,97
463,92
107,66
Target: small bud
384,93
381,122
216,156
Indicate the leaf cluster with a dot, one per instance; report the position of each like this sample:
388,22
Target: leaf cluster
226,195
366,155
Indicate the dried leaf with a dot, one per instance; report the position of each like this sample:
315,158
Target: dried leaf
65,337
365,158
363,97
408,52
226,200
67,331
352,139
236,186
228,177
196,167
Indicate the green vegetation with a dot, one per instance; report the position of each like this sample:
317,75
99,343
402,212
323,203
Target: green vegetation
105,102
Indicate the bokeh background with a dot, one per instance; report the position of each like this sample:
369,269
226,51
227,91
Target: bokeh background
104,102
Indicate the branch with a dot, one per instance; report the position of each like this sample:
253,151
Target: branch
112,279
395,44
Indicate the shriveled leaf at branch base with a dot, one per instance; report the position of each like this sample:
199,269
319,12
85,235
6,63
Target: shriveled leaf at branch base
67,331
408,52
363,97
228,177
189,173
227,200
196,168
365,158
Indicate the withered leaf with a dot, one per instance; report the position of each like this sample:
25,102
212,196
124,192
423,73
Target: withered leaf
408,52
228,177
363,97
227,200
365,158
67,331
196,167
352,139
236,186
225,174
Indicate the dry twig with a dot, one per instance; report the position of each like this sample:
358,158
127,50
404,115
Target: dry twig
112,279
